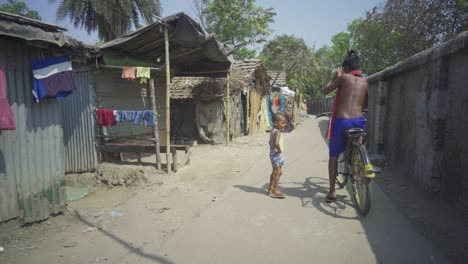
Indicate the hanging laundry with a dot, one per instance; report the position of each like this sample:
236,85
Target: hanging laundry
282,99
144,73
141,117
7,118
275,103
53,78
105,117
125,116
129,73
264,118
270,113
146,116
149,118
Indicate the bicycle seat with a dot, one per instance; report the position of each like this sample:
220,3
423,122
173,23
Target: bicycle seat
355,131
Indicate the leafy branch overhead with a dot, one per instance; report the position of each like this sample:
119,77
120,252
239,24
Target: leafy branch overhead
110,18
238,23
388,33
19,8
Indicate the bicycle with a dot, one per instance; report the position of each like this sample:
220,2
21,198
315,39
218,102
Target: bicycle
354,165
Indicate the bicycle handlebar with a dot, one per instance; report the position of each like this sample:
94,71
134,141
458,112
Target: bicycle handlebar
322,114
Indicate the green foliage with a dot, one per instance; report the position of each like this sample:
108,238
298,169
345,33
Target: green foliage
245,53
110,18
281,49
237,22
402,28
301,64
395,31
19,8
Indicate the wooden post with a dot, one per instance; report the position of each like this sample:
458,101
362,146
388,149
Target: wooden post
168,102
155,127
227,106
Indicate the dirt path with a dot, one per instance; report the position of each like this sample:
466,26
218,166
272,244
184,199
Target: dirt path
246,226
113,224
216,211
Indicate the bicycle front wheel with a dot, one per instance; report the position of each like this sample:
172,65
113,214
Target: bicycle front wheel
342,177
360,166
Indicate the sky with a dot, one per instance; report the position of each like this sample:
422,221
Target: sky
314,20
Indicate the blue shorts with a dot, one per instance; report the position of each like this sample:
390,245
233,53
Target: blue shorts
277,159
339,126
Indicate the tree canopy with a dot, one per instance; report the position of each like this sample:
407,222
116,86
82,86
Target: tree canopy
387,34
110,18
239,23
19,8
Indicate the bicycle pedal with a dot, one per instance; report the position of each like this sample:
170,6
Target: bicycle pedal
370,173
377,170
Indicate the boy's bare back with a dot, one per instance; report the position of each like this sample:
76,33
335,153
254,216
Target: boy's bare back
353,93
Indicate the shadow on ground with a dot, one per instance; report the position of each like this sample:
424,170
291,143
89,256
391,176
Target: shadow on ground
132,249
312,193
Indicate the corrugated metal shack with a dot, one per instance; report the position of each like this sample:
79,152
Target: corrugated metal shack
51,137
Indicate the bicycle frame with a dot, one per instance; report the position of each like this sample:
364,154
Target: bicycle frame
352,139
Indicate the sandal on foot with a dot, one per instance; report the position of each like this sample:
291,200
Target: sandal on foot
278,196
330,199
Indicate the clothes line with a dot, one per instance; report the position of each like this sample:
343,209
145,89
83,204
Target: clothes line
121,67
110,117
96,109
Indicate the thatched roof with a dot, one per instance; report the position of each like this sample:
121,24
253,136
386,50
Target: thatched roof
254,73
277,78
204,88
248,66
245,75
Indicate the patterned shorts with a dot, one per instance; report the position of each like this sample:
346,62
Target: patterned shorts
277,159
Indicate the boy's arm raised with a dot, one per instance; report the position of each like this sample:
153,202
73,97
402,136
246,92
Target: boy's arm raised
333,83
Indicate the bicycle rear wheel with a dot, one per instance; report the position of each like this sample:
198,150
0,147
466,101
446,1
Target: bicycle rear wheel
360,166
342,178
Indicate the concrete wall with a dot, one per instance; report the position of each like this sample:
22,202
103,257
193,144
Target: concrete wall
417,118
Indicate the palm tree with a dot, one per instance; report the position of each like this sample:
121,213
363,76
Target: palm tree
111,18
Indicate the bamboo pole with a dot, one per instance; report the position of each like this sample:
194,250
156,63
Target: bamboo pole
155,127
227,106
168,102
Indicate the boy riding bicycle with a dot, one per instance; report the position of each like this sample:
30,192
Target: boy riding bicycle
351,89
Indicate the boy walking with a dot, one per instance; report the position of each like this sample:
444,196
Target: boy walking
276,155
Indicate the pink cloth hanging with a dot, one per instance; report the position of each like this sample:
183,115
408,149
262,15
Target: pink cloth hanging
7,118
129,73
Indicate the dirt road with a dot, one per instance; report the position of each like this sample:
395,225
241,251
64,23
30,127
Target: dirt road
216,211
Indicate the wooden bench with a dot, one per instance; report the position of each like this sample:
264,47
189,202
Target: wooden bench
139,146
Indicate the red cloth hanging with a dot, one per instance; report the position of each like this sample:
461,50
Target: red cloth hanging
7,118
337,103
105,117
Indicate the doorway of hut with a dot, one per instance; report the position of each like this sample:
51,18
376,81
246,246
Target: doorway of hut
183,126
245,115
